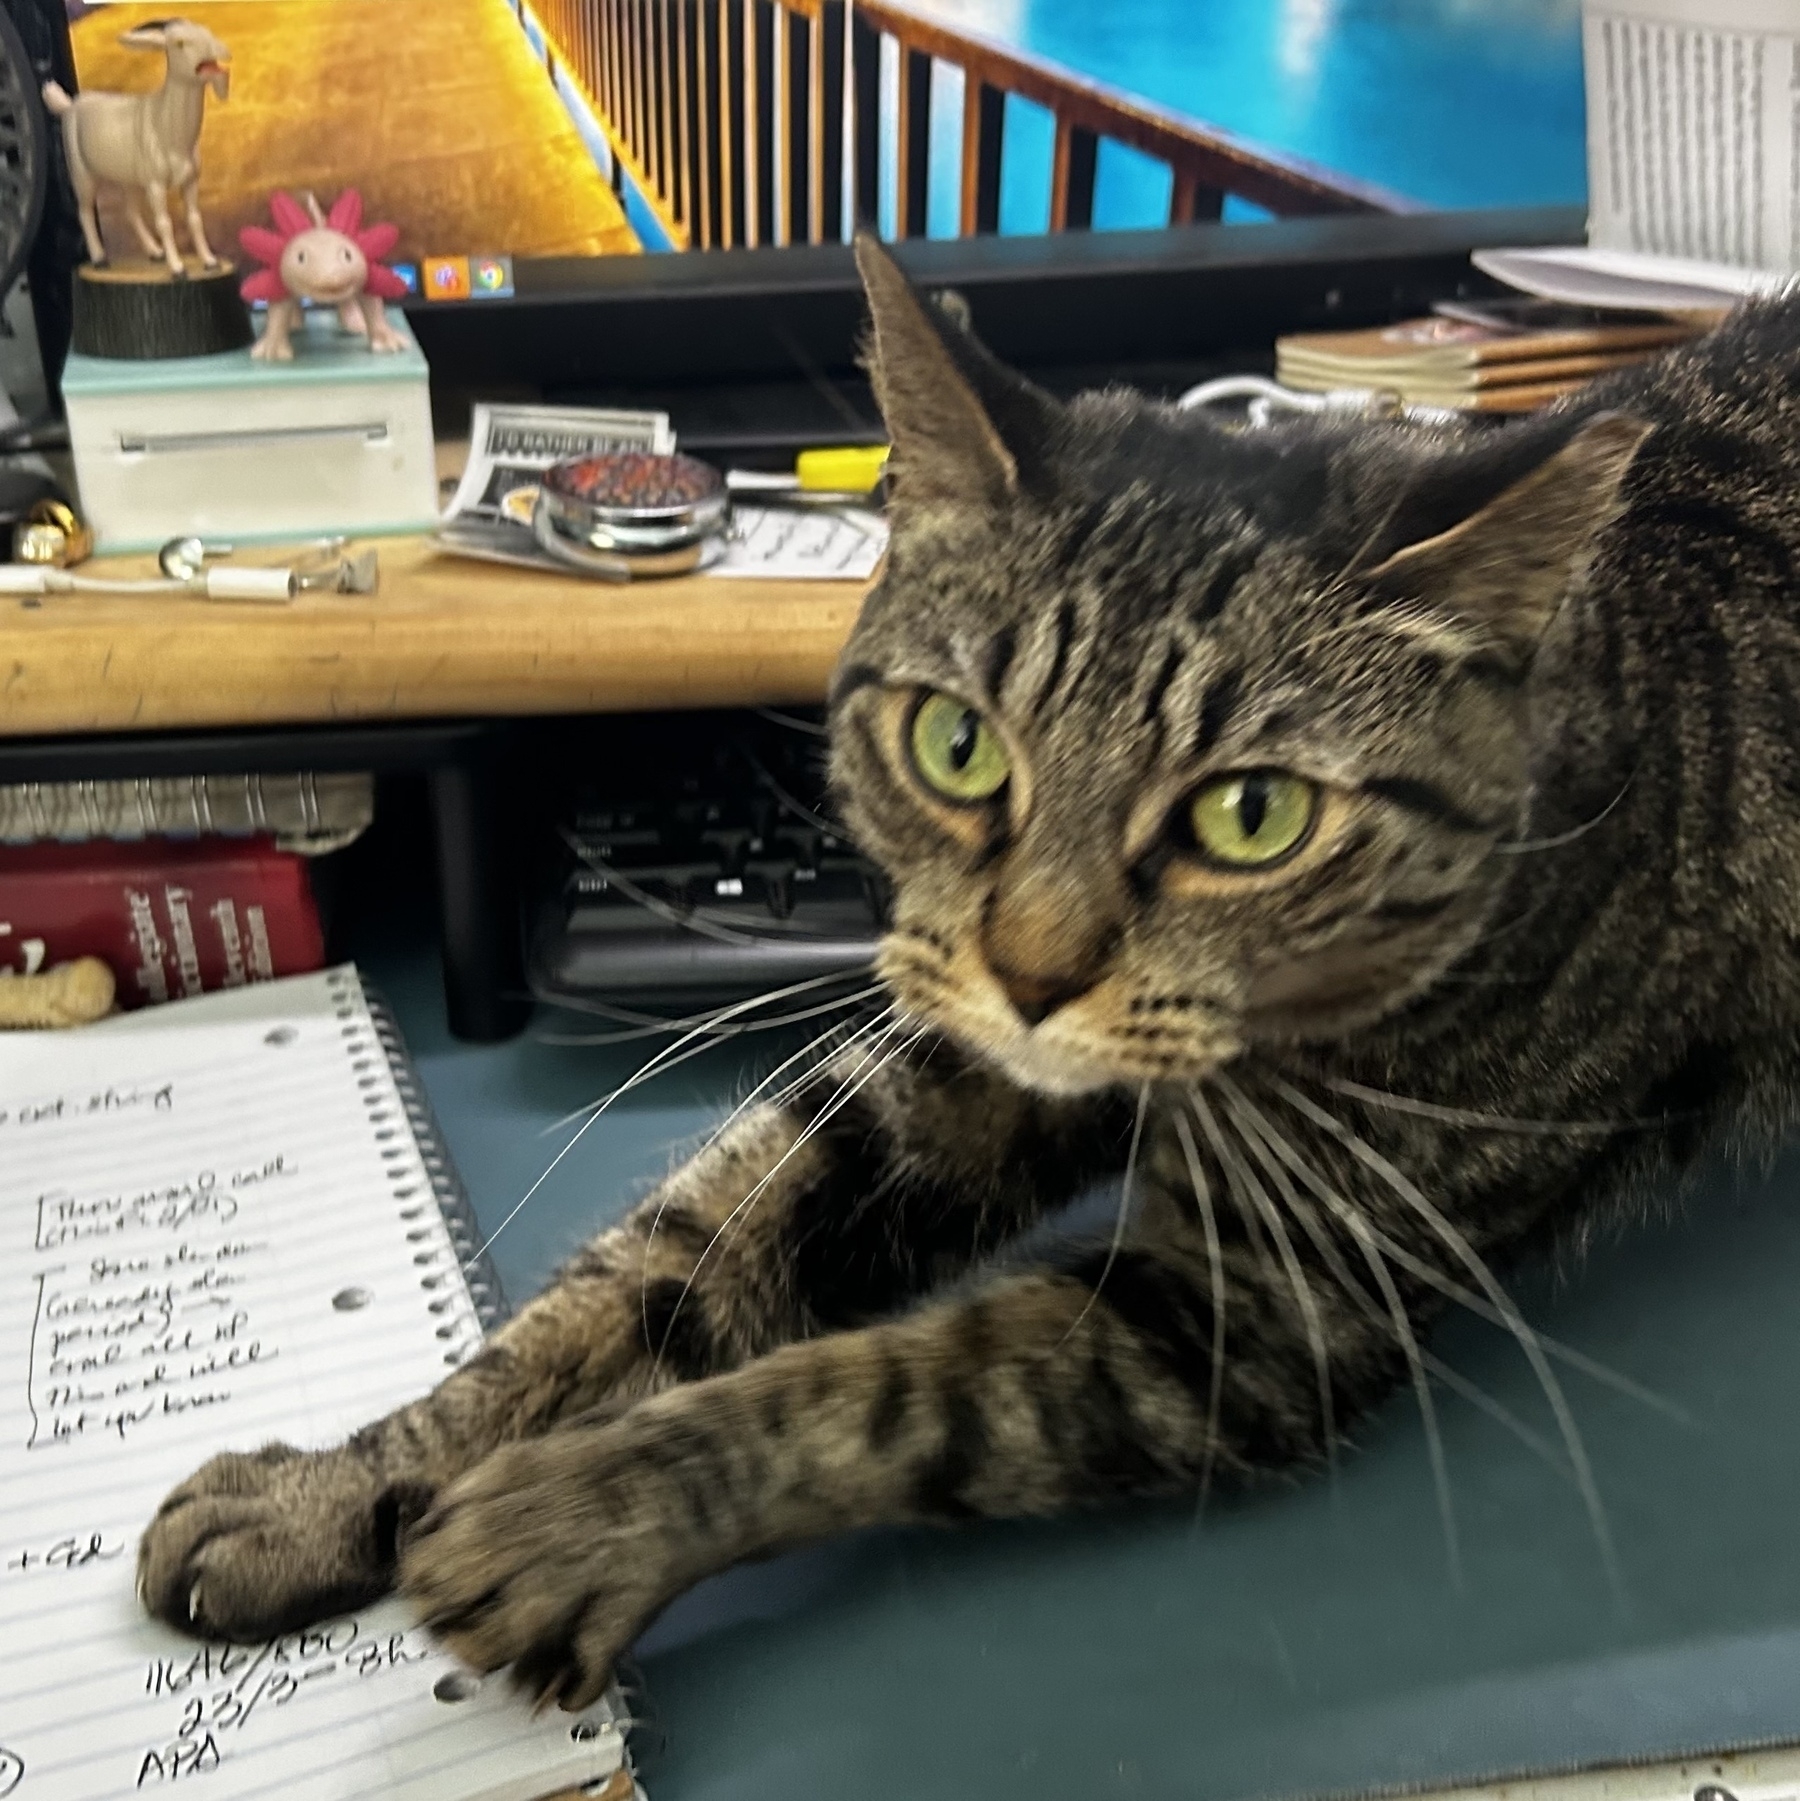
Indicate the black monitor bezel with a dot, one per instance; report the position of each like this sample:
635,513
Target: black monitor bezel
1081,298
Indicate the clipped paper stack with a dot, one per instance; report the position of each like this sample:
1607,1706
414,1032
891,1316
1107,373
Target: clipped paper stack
1693,119
1470,367
1693,108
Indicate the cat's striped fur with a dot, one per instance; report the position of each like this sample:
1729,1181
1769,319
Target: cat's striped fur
1541,942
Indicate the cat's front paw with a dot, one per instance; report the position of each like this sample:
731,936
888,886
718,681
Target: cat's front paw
551,1556
258,1543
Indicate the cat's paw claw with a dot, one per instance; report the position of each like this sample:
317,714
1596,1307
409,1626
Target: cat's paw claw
256,1544
531,1562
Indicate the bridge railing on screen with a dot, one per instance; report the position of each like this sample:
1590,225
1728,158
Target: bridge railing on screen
747,122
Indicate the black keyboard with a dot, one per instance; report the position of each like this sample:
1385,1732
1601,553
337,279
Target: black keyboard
722,879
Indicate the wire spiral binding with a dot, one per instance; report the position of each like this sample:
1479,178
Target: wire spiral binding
467,1295
440,1220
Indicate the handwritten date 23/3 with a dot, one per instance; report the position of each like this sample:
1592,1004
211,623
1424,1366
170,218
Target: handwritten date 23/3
228,1686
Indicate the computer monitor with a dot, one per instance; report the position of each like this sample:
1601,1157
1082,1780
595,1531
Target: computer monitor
501,133
537,155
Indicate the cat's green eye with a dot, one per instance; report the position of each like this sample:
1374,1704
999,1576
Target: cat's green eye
1252,819
955,750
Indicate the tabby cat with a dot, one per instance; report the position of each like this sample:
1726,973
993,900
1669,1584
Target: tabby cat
1377,843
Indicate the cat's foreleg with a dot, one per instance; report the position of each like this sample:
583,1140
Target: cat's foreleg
263,1542
801,1219
1048,1391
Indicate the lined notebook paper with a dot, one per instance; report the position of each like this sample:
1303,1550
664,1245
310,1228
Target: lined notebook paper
220,1224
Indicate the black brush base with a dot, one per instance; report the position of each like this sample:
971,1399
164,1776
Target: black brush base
138,310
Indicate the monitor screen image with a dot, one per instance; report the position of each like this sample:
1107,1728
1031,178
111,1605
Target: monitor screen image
499,133
438,111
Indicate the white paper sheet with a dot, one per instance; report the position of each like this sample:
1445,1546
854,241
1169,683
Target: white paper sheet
1692,109
1581,276
795,543
215,1230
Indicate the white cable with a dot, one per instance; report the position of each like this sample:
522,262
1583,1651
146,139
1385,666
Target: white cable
1240,387
223,583
1292,400
1267,398
212,584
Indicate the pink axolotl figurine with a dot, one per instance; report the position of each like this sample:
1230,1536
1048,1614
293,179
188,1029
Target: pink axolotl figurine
328,258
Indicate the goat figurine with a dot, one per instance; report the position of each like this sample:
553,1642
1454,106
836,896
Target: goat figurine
147,143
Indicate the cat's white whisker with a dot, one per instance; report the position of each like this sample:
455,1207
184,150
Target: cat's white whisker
867,1029
1471,1302
1215,1263
1477,1396
1275,1147
847,1092
1567,1354
1469,1116
1120,1223
1304,1298
664,1059
1522,846
706,1028
742,1029
1471,1259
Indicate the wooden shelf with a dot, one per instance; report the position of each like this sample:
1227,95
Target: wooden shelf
444,638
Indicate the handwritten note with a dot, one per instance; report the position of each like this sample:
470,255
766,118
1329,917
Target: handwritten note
216,1229
797,543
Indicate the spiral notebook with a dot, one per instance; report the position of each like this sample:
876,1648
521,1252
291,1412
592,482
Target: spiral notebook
222,1222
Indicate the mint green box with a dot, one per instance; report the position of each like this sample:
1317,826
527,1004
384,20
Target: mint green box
336,442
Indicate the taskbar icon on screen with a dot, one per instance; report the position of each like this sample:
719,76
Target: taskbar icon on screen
467,277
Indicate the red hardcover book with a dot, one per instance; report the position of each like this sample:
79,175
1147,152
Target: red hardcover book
172,917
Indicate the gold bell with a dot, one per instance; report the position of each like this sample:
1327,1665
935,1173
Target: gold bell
52,533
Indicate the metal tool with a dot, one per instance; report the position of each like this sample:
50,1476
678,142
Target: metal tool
360,574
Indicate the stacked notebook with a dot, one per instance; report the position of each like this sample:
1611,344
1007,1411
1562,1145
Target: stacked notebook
222,1222
1468,365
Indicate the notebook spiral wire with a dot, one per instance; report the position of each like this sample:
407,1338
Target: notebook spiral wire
471,1303
440,1221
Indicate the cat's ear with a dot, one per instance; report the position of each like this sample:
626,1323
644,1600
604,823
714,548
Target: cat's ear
965,429
1504,567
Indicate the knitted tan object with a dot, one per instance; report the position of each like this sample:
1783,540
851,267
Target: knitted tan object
71,994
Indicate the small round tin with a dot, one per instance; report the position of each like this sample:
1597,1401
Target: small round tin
631,513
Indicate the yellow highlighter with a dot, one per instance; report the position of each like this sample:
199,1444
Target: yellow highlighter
845,469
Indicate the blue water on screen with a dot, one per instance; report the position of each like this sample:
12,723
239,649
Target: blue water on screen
1456,103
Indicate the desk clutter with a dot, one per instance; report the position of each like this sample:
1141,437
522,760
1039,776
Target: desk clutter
189,420
174,887
191,415
262,1166
1505,356
606,494
182,417
328,443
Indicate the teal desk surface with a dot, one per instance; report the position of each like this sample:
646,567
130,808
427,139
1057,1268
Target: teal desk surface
1302,1640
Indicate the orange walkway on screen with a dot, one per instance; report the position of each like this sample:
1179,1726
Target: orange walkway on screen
437,110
